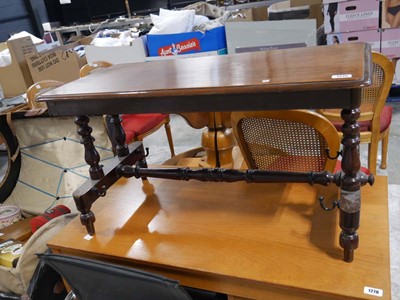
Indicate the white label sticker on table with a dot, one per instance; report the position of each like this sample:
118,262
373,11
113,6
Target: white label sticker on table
88,237
341,76
65,1
373,291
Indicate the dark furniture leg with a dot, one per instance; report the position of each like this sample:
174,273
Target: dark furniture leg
92,157
119,136
96,172
101,179
350,197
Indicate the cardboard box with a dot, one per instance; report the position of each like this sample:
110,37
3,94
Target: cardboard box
250,14
182,56
390,42
332,1
315,9
297,9
289,13
16,78
351,16
188,42
136,52
389,16
62,64
373,37
264,34
396,77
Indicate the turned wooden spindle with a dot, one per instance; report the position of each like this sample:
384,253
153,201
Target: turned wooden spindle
119,136
92,157
350,198
87,220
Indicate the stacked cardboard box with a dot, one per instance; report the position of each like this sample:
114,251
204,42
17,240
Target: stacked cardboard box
15,78
60,63
390,34
297,9
361,21
29,66
352,21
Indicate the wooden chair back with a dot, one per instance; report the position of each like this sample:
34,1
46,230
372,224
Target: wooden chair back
89,68
286,140
373,96
38,88
371,110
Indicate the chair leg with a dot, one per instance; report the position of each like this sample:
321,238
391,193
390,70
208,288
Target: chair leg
385,143
169,136
372,156
139,139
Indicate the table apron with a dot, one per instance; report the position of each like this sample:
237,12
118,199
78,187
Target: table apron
312,99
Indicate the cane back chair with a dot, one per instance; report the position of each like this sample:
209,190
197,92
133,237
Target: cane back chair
286,140
375,117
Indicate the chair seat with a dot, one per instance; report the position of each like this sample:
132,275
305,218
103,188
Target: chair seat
386,119
138,124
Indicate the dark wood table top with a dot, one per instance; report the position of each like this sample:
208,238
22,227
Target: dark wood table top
314,77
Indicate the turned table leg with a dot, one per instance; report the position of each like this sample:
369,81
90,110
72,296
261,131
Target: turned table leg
350,198
218,141
92,157
119,136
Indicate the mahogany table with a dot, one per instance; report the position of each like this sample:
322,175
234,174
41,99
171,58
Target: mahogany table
260,241
311,78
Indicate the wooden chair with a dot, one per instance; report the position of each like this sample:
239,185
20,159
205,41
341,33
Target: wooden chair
286,140
89,68
375,117
38,88
136,126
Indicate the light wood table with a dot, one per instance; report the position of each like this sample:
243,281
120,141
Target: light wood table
259,241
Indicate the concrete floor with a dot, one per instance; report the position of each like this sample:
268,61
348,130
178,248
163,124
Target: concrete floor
393,165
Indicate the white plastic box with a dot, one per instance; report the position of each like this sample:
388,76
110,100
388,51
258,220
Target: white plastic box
268,35
136,52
